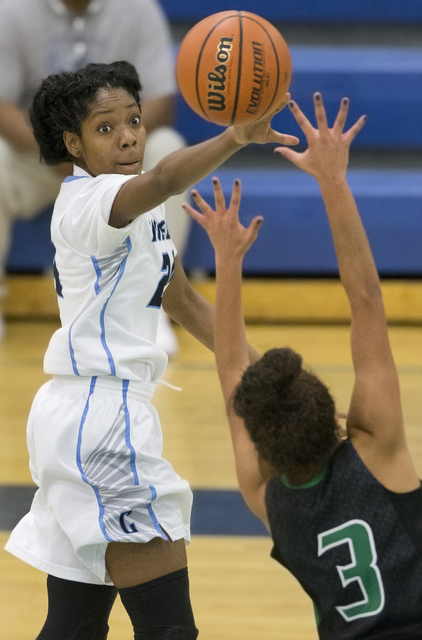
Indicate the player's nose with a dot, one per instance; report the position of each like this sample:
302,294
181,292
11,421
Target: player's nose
127,138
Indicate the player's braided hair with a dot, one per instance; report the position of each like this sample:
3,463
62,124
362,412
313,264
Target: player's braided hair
62,103
288,412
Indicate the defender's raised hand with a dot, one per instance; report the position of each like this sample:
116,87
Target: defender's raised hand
328,149
228,236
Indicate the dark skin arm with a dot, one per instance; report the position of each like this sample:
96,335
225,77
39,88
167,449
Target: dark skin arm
192,311
182,169
375,420
232,353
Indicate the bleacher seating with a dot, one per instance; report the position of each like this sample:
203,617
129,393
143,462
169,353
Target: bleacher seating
378,80
383,82
31,250
295,238
368,11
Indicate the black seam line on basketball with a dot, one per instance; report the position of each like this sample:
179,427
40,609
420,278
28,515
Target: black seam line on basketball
239,67
198,97
278,65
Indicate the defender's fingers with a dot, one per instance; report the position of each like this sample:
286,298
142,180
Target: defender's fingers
254,228
200,202
198,217
220,202
282,138
289,154
300,118
351,133
236,195
252,232
321,116
341,116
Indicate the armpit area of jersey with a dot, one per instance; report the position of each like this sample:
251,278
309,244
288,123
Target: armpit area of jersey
408,507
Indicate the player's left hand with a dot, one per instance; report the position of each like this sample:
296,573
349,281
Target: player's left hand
228,236
327,155
260,131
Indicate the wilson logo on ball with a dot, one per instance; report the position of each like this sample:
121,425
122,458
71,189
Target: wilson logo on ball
217,78
233,68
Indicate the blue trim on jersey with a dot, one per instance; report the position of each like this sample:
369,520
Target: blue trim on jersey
72,353
152,514
72,178
125,386
102,316
79,460
97,288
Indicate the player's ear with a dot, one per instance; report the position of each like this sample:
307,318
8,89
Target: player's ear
73,143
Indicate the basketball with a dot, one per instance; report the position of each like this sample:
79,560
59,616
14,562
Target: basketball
233,68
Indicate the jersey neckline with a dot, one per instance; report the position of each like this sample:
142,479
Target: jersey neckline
284,479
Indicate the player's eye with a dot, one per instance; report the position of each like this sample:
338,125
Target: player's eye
135,120
105,128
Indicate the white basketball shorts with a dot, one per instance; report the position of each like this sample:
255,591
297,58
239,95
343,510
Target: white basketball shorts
95,448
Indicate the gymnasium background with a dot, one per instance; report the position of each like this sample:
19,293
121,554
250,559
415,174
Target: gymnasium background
370,51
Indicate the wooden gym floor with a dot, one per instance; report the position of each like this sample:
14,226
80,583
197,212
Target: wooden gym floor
238,592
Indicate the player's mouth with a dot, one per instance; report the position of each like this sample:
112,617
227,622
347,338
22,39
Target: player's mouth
129,164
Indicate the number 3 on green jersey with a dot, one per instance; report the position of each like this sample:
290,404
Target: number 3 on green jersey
362,569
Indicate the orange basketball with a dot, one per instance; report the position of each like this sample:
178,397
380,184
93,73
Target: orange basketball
233,67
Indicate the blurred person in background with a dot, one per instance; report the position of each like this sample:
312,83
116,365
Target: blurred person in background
43,37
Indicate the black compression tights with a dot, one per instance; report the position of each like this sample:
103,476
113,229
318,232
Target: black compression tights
77,611
159,609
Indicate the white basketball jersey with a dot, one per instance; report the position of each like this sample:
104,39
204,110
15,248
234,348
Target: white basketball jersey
109,283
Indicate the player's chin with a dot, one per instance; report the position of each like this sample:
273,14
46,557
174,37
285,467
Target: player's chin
129,168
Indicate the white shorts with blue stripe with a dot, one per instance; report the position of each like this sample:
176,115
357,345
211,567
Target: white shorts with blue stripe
95,449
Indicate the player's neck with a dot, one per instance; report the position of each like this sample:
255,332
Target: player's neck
303,475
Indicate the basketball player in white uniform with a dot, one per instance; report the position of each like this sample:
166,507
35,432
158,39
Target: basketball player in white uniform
111,512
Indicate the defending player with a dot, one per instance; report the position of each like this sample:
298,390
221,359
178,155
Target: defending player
110,510
345,514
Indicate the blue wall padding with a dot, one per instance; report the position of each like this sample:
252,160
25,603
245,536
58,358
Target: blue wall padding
384,11
223,512
220,512
384,83
295,237
31,249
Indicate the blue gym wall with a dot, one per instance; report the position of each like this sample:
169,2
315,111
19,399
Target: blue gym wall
383,81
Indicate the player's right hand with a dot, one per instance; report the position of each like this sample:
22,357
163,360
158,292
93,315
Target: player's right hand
261,132
228,236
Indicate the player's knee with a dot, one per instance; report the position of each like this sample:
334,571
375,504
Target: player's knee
165,633
86,630
174,633
161,609
91,630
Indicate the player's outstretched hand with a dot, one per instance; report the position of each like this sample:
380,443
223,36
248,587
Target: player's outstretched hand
260,131
327,154
228,236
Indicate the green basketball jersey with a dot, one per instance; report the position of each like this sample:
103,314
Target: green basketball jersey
354,546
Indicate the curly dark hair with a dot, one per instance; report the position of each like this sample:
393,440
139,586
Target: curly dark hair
62,102
288,412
